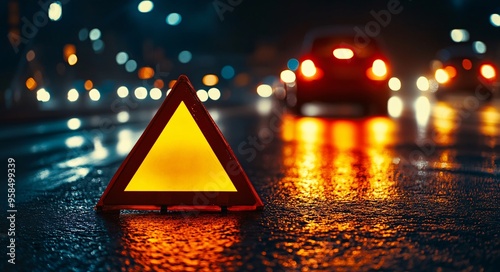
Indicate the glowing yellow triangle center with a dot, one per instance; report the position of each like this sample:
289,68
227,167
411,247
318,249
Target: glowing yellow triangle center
181,159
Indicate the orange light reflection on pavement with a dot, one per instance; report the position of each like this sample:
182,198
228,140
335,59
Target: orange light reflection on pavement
167,243
490,121
445,124
310,132
338,159
490,128
343,163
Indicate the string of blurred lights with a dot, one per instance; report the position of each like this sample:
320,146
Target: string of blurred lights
95,36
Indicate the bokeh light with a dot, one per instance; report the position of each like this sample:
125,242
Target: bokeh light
423,84
31,83
227,72
441,76
123,116
72,59
155,93
95,34
173,19
141,93
292,64
467,64
88,84
451,71
379,68
479,47
488,71
73,95
210,80
74,123
159,83
122,91
30,55
495,19
308,68
55,11
98,46
395,106
202,95
145,72
130,66
459,35
145,6
42,95
83,34
121,58
185,56
394,84
214,93
287,76
264,90
94,95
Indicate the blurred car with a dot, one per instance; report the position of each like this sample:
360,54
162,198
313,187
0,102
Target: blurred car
338,69
460,69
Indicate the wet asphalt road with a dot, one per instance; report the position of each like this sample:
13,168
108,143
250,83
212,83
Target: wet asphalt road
416,192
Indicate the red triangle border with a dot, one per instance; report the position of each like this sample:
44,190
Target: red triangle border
115,198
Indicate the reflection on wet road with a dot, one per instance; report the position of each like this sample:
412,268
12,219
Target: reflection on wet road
382,193
338,159
152,242
415,192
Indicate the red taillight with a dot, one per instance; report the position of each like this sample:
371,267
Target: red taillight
343,53
308,69
441,75
444,75
378,71
488,71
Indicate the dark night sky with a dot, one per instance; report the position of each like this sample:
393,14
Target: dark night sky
413,36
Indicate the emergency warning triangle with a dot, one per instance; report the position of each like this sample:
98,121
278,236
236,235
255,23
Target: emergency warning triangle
181,162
